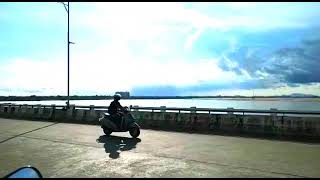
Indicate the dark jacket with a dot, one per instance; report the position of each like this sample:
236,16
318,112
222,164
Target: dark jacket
114,107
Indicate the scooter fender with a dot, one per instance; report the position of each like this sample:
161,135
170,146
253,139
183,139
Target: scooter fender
134,125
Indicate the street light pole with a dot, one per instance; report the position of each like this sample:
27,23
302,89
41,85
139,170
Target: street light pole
68,10
68,103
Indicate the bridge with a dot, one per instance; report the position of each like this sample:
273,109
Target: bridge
174,142
81,150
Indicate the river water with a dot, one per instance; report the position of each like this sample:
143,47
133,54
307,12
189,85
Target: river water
280,104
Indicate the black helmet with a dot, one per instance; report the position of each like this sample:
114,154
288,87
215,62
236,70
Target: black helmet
117,97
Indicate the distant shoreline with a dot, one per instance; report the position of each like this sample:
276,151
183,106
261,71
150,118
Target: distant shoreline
240,98
311,99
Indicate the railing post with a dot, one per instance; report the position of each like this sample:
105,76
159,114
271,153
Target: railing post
273,114
9,108
136,108
52,110
92,113
40,110
193,109
162,108
24,108
230,112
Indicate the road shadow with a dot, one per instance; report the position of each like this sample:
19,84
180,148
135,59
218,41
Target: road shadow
115,144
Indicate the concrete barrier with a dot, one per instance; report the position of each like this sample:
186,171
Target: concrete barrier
269,125
47,113
150,119
2,110
38,111
168,119
272,124
12,108
80,113
22,111
70,114
24,108
253,124
92,115
228,122
60,115
203,122
18,110
52,112
29,112
180,123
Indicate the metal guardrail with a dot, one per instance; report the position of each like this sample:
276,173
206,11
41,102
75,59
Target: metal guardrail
229,110
209,110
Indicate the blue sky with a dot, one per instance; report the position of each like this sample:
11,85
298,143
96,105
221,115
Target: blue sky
160,48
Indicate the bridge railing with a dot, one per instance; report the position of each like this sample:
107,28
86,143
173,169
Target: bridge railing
179,109
226,110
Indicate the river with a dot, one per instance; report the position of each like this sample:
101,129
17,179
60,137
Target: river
261,104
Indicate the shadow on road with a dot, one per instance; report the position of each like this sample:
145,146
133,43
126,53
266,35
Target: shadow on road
114,144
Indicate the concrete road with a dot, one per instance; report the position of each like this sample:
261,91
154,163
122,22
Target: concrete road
74,150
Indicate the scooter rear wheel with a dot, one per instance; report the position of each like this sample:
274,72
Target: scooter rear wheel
134,132
107,131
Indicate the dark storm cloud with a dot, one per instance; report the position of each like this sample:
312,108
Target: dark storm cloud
295,62
288,57
297,65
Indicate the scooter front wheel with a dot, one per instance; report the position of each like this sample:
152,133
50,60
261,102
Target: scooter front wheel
107,131
134,132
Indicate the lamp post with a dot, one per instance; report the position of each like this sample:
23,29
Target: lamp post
67,8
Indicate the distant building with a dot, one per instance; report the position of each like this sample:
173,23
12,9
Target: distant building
124,94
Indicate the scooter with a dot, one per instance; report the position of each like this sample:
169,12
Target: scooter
128,123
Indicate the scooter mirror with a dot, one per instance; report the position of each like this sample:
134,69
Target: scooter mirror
25,172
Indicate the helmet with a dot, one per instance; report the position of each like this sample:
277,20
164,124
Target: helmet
117,97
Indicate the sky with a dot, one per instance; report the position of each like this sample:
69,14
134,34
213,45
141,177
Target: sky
160,48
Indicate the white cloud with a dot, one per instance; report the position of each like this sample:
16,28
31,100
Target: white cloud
192,38
34,75
102,61
122,71
231,64
144,21
242,4
96,72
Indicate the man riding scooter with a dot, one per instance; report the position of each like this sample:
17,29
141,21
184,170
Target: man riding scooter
119,119
115,110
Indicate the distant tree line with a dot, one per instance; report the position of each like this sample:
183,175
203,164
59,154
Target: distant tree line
45,98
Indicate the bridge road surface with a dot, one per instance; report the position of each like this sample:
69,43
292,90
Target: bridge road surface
77,150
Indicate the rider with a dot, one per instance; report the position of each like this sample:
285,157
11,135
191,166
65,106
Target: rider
116,110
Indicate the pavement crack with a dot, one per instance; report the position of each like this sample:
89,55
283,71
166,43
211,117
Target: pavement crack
61,141
28,132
